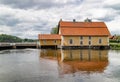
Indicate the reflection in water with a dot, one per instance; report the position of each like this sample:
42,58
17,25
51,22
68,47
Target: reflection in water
50,54
84,60
36,65
71,61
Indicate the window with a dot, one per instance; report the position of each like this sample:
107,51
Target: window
44,41
81,42
71,41
100,41
54,41
81,37
89,42
89,37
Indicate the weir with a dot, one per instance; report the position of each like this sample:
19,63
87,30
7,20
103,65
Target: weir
21,45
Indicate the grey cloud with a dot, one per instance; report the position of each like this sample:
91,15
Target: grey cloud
28,18
40,27
22,28
26,4
115,32
8,20
19,28
106,19
114,4
116,7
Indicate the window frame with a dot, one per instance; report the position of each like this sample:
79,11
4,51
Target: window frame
100,41
71,41
55,41
90,37
89,42
81,37
81,42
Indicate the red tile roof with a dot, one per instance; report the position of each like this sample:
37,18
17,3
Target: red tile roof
49,36
82,24
84,28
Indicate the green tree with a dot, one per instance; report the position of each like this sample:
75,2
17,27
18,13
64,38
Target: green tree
9,38
29,40
54,30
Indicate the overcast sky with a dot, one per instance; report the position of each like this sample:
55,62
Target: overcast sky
28,18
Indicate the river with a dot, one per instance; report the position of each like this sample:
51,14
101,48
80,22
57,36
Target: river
36,65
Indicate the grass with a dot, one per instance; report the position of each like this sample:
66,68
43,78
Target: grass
115,46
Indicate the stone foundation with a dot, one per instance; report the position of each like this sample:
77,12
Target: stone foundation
86,47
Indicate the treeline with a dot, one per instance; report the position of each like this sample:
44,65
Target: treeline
10,38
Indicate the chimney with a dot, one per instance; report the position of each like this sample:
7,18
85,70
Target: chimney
61,19
88,20
74,20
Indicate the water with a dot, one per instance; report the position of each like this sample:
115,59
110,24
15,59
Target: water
35,65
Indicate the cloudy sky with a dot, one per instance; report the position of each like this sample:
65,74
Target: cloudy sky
28,18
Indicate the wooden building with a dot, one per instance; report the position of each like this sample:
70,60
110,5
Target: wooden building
49,40
83,34
73,34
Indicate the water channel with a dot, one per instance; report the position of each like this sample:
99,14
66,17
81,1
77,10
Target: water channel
36,65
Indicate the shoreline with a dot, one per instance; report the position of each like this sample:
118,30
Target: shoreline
115,46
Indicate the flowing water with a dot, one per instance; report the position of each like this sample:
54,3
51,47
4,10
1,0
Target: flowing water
35,65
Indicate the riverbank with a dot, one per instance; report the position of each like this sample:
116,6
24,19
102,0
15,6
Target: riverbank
115,46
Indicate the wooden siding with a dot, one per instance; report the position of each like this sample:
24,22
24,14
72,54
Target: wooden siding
49,42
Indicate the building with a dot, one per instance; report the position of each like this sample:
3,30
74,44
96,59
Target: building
83,34
49,40
73,34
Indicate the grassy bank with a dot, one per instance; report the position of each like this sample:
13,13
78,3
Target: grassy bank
115,46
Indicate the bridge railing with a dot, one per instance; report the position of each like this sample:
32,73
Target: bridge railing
18,43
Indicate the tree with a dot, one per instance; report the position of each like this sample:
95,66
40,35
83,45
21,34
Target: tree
54,30
9,38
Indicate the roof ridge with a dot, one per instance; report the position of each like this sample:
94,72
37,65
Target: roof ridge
82,22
